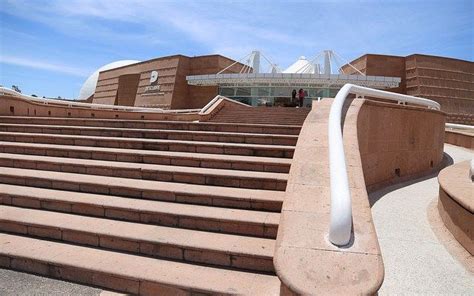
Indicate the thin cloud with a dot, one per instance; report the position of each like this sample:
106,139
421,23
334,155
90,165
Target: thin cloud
211,28
43,65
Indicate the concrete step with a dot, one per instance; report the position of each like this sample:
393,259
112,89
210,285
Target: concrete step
155,190
128,273
206,218
263,115
256,120
234,251
151,124
204,160
152,144
184,135
166,173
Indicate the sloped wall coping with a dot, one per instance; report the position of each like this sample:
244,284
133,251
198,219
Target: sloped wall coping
18,106
305,261
455,181
216,105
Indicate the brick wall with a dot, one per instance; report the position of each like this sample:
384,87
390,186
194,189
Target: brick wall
174,93
448,81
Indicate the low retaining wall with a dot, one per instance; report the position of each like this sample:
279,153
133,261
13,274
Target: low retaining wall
13,106
456,203
461,118
459,138
383,143
398,143
222,103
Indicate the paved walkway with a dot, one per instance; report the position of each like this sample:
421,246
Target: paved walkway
23,284
416,261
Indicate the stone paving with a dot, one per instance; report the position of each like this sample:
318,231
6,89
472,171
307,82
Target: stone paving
416,261
23,284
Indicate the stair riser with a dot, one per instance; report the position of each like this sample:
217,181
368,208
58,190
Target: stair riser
87,277
149,159
164,135
136,173
144,145
220,201
210,127
147,248
154,218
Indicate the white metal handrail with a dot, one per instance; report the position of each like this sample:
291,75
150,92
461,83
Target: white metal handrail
341,207
459,126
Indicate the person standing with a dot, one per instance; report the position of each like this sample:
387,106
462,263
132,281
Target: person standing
293,98
301,97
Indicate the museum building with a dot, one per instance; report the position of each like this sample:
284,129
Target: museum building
182,82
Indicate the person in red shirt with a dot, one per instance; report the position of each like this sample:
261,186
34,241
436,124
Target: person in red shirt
301,97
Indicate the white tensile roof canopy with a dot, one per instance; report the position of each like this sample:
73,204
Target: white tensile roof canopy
325,70
302,65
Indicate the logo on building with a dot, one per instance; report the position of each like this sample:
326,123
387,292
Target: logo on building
154,77
154,87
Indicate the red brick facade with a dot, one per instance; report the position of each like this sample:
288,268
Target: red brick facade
448,81
119,86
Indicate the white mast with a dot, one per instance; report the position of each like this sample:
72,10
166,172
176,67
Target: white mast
255,61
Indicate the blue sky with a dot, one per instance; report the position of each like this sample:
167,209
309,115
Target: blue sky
50,47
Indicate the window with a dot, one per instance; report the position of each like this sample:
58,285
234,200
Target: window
242,91
227,92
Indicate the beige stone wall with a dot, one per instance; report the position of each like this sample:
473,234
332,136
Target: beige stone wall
12,106
398,142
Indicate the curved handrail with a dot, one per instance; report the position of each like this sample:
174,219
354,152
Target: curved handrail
341,207
459,126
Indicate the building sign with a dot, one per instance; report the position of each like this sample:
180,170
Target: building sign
154,87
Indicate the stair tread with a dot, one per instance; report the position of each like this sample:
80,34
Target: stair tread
182,275
171,122
190,155
122,130
145,166
185,238
145,206
124,139
138,184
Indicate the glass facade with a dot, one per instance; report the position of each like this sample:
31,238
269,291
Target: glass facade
274,95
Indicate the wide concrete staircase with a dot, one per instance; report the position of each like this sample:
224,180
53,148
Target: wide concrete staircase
144,207
263,115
